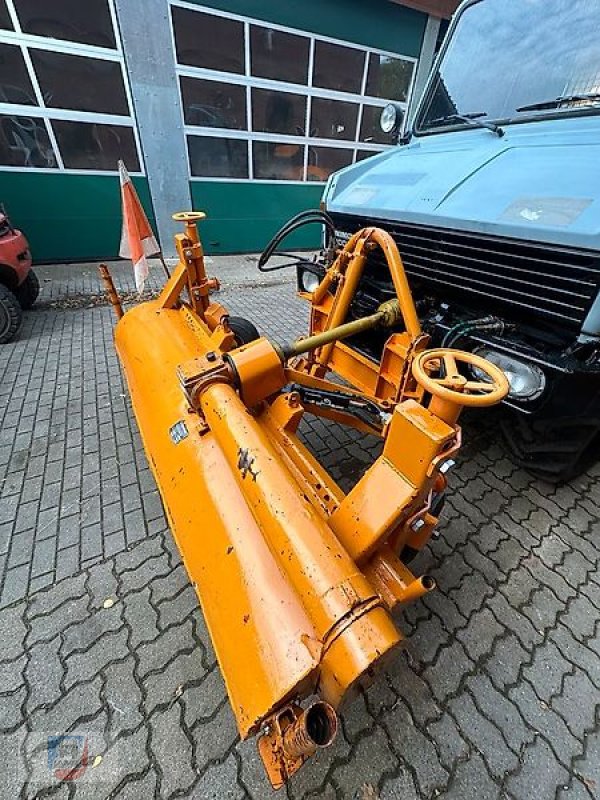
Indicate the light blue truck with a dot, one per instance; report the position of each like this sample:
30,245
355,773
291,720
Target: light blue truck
493,198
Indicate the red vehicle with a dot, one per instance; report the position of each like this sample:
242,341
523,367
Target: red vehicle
19,286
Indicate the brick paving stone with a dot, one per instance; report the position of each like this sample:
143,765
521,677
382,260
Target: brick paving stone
415,749
573,704
124,757
171,752
80,636
213,736
480,633
82,666
547,672
141,617
472,779
176,608
400,787
483,736
155,655
45,627
587,767
166,685
540,775
371,757
445,675
505,662
78,702
11,752
44,673
545,721
12,709
499,710
135,788
219,782
123,696
448,741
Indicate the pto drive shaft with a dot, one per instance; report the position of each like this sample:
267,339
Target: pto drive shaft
388,314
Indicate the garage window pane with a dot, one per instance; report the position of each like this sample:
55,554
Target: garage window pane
278,161
362,154
337,67
85,21
215,157
80,83
86,145
15,86
213,104
322,161
278,112
203,40
5,22
389,77
370,129
333,119
277,55
24,143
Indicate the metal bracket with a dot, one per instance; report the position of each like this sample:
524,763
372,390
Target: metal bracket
198,374
365,410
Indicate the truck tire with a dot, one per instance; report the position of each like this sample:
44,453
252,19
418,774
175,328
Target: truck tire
243,330
11,315
27,293
553,450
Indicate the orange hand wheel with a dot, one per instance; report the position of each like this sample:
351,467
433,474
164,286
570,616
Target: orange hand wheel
452,390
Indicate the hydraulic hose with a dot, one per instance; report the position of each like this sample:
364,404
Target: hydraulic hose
309,217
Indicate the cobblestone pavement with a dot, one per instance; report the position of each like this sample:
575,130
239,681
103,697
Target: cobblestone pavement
497,694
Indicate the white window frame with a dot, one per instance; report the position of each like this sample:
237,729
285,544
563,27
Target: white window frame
307,90
25,41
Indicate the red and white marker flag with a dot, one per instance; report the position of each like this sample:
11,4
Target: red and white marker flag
137,239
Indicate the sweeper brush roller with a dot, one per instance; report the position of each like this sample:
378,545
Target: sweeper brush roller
297,580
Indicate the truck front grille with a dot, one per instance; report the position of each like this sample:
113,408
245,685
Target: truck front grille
547,281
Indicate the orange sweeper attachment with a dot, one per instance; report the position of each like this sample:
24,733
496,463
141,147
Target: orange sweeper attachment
298,581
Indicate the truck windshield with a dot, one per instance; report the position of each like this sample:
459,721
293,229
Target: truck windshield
517,60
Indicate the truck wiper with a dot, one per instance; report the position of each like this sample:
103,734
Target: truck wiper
471,119
565,98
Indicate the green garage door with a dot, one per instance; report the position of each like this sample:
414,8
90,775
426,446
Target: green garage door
268,99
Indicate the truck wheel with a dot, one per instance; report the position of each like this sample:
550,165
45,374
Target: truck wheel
554,450
27,293
11,315
243,330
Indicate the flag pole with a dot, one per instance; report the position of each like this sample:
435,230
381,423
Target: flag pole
164,263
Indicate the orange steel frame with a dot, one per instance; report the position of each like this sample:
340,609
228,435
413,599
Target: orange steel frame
297,580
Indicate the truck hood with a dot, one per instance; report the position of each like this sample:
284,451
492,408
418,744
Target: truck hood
540,182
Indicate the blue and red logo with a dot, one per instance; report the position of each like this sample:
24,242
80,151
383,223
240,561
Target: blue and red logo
68,756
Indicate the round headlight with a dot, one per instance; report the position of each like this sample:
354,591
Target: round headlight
389,118
309,281
527,381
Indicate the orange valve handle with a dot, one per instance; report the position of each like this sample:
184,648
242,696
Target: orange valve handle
189,216
454,387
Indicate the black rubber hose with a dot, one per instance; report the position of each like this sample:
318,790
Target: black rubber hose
309,217
452,332
303,218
